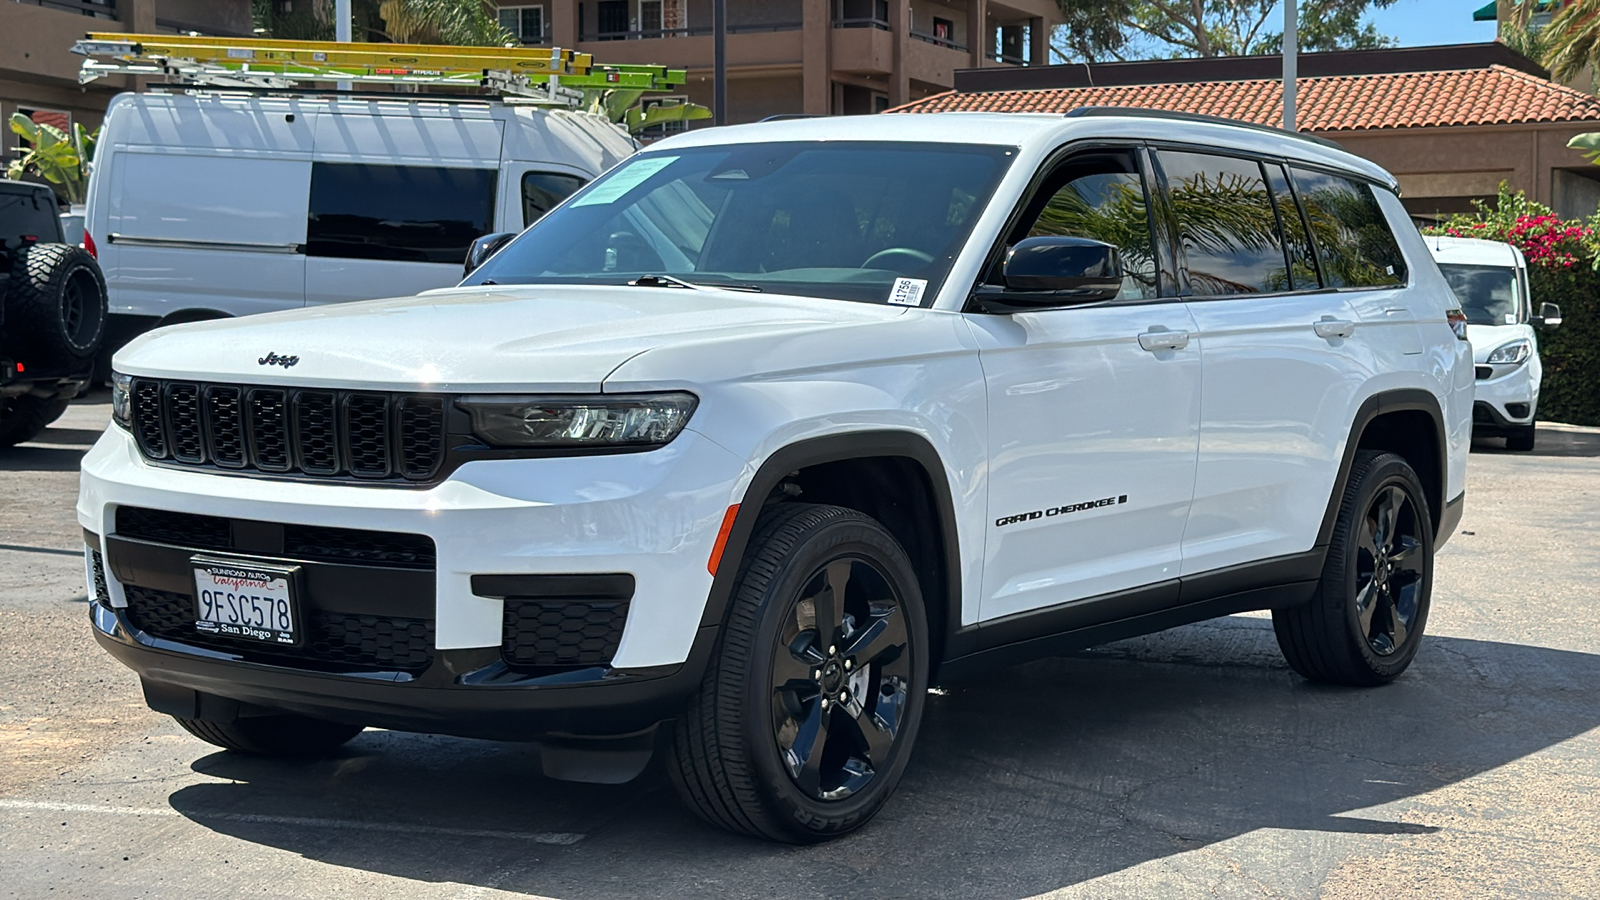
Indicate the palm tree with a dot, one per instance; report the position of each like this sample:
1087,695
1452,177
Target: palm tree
1572,39
461,22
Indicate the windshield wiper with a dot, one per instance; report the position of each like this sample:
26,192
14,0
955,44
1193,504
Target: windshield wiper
670,281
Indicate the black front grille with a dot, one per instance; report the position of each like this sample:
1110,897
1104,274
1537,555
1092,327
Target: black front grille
313,543
553,632
361,435
333,640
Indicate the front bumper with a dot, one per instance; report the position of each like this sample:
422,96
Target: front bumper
1505,398
653,516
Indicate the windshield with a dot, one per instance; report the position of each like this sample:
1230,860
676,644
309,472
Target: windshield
1489,295
876,222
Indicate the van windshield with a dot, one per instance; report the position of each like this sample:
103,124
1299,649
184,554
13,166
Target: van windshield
1489,295
874,222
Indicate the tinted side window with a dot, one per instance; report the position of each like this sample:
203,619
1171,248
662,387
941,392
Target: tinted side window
31,213
541,191
1296,242
1227,226
403,213
1354,243
1103,198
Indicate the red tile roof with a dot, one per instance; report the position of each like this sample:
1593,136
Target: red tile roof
1491,96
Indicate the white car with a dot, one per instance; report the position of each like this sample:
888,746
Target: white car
748,443
220,203
1490,279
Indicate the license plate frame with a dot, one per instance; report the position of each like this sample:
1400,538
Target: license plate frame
265,596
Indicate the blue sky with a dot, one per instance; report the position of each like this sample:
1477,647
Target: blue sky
1417,23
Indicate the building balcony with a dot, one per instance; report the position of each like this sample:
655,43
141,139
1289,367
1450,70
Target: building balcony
749,47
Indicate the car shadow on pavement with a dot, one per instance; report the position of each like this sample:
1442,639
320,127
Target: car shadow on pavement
1029,779
1548,442
23,458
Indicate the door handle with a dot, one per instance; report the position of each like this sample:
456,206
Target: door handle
1164,340
1330,328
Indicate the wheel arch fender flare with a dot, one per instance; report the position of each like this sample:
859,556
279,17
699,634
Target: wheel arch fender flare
1371,409
832,449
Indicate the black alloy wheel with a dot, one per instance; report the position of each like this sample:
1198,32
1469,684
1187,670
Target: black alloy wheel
839,679
810,705
1389,571
1364,623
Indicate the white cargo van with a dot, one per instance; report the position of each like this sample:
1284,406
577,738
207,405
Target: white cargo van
1490,279
212,204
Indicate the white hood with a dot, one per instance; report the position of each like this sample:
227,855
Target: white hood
534,338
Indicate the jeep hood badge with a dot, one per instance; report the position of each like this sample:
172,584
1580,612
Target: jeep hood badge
273,359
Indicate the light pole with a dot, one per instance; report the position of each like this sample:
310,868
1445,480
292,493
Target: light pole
341,29
1291,63
719,62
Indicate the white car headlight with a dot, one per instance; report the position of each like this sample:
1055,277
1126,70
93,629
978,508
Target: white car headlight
1514,352
121,405
621,421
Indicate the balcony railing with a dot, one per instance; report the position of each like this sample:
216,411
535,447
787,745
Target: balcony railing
937,41
868,22
1008,59
700,31
98,9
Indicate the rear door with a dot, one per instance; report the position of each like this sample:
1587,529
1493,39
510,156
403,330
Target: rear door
1094,415
1284,356
395,201
205,207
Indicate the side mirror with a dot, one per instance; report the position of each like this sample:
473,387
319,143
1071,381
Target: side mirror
483,248
1549,315
1045,272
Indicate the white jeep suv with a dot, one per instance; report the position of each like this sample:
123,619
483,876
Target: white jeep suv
755,438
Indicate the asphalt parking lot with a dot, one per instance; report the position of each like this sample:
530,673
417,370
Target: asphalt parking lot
1192,763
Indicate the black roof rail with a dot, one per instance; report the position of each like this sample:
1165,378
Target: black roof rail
782,117
1147,113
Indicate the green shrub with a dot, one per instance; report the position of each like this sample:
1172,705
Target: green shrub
1563,268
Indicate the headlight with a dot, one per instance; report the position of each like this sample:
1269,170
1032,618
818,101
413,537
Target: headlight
121,407
1514,352
623,420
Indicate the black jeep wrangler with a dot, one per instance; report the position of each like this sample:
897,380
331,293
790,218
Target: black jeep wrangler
52,312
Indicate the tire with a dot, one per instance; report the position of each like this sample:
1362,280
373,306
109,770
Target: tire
1522,439
284,735
22,418
56,304
740,756
1338,637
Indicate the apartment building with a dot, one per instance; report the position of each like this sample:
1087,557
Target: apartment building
39,73
820,57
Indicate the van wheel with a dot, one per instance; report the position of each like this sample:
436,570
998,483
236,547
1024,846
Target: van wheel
22,418
1365,622
56,305
808,711
284,735
1522,438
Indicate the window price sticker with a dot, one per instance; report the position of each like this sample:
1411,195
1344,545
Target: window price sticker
907,291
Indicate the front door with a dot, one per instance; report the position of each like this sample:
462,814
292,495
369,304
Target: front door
1094,417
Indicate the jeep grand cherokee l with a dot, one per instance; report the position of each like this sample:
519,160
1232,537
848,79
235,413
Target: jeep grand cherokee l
753,439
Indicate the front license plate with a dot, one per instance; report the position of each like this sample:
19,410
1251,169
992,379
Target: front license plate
245,599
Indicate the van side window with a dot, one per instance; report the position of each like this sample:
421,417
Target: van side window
398,213
1100,196
1296,242
541,191
1355,245
1227,225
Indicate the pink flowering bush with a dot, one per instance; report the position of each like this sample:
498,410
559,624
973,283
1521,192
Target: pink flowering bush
1544,238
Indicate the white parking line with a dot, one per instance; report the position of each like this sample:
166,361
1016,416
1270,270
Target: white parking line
538,837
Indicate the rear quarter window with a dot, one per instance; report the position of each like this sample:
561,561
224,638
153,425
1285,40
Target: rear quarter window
1355,244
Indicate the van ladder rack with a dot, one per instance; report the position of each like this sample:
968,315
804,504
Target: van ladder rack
550,75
